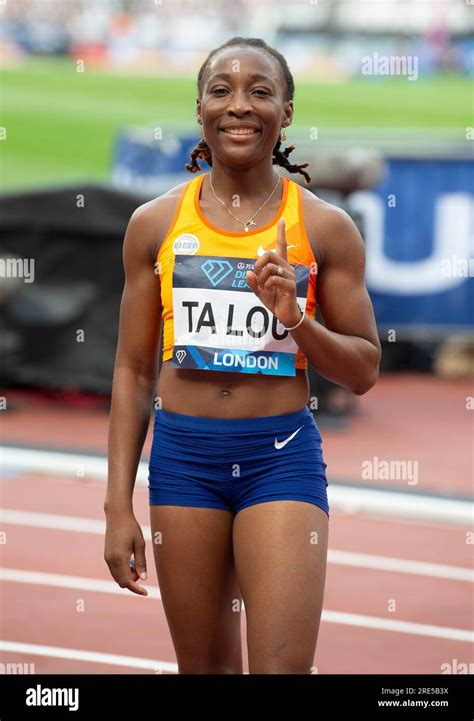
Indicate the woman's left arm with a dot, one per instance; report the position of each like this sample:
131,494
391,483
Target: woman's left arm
347,349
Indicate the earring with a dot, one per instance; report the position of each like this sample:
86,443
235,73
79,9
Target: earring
202,132
283,134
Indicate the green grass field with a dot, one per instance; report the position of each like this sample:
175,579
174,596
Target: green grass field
61,125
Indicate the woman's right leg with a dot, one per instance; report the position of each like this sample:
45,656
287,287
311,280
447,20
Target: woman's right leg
192,547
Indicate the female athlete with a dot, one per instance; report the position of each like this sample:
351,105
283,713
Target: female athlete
232,264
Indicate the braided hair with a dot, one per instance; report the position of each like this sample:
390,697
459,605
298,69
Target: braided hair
203,151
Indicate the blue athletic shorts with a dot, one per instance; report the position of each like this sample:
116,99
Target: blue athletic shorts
232,463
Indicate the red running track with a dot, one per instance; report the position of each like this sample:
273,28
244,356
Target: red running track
403,417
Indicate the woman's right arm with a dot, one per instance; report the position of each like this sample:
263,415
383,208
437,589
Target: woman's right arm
134,381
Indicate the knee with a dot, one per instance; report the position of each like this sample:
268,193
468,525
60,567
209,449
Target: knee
203,667
281,661
210,663
279,667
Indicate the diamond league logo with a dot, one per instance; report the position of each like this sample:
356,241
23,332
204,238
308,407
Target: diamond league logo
216,270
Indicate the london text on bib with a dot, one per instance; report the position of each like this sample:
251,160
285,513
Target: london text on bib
220,324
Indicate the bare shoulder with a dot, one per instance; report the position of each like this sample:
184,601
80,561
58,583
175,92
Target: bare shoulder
150,221
331,231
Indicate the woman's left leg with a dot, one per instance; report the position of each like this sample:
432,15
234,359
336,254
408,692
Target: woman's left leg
280,552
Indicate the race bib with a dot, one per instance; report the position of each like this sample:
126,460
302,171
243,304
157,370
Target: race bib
220,324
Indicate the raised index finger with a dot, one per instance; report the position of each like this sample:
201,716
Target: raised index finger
281,240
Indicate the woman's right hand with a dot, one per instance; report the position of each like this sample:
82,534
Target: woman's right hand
124,537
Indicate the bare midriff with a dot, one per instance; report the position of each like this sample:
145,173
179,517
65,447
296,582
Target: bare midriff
215,394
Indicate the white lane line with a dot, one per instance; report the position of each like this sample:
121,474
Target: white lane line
57,463
60,580
387,624
347,558
401,565
56,522
342,497
76,654
400,504
351,619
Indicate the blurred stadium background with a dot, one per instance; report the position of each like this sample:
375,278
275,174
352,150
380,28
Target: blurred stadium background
97,116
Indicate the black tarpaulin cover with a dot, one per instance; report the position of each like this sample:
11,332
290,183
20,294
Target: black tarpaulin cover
60,331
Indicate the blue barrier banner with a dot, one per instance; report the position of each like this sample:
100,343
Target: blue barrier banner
140,163
419,232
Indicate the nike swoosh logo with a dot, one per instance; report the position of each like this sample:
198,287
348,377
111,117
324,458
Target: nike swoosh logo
280,444
262,250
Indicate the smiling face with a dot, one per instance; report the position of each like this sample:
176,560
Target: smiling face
243,105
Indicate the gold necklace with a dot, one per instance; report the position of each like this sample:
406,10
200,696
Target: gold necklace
251,221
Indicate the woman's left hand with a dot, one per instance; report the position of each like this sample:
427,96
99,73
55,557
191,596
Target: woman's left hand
277,292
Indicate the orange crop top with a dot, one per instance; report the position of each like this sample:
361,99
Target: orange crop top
212,319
